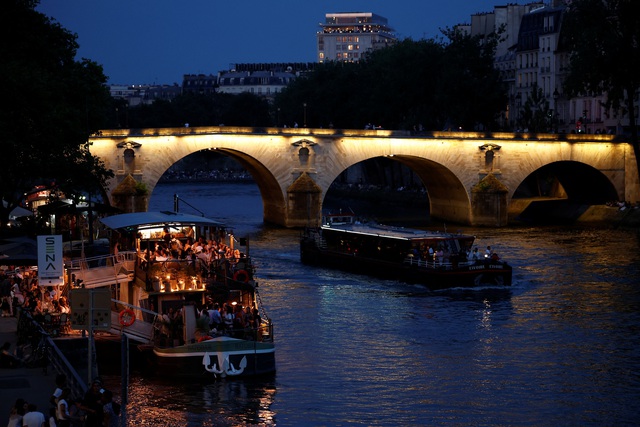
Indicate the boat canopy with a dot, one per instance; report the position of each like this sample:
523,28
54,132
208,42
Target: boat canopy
390,232
141,220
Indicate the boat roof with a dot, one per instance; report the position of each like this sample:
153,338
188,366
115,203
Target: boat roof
142,220
391,232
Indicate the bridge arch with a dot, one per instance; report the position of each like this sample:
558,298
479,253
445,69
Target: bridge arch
571,180
445,192
273,202
270,191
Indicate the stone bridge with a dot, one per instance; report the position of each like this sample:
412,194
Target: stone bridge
470,178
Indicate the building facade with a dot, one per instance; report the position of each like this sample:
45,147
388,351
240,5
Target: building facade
531,57
199,83
144,94
347,37
261,79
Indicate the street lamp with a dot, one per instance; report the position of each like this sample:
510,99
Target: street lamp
305,114
278,118
556,95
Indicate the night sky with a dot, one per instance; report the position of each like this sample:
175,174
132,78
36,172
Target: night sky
158,41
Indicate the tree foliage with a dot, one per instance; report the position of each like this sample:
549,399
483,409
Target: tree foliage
536,115
243,109
603,37
426,83
50,104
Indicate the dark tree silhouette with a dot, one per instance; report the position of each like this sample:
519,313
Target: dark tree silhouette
50,104
603,37
411,85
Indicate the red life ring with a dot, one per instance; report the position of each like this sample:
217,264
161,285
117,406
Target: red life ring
241,276
127,317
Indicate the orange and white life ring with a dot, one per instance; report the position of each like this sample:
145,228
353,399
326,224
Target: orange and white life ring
241,276
127,317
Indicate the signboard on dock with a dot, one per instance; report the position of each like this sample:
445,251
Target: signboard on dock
90,309
50,263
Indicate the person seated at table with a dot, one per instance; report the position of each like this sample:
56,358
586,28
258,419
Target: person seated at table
54,307
37,311
176,247
161,255
64,305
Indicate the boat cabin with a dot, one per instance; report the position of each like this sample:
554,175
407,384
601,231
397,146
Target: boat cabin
338,217
394,244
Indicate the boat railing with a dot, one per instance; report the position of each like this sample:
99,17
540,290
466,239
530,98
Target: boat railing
103,270
442,264
192,270
264,333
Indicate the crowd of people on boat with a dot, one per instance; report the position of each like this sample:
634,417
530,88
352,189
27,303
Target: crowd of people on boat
96,408
214,320
231,320
441,254
201,254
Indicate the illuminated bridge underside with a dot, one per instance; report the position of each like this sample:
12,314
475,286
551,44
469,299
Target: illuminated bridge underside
294,168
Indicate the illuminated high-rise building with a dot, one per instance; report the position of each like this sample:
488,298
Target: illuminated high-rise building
350,35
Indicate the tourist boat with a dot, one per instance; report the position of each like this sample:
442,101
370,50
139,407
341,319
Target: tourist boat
157,299
437,260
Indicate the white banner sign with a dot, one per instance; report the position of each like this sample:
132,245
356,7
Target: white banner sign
50,262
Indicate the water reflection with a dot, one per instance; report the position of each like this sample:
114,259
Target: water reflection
155,401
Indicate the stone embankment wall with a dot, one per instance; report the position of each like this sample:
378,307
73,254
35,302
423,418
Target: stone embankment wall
628,217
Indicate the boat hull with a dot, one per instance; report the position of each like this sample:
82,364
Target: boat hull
481,273
218,357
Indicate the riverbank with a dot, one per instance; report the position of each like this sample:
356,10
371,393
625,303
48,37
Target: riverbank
628,217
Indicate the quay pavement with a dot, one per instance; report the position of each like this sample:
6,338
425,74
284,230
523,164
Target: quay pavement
30,384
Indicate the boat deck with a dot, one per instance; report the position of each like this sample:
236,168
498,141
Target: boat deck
389,232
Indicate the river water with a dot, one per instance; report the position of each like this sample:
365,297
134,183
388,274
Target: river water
561,347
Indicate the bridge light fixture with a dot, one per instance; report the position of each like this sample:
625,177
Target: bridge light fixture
490,147
128,145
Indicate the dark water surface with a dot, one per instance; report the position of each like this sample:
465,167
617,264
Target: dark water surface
561,347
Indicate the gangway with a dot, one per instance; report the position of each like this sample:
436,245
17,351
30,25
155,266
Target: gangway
140,330
104,270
